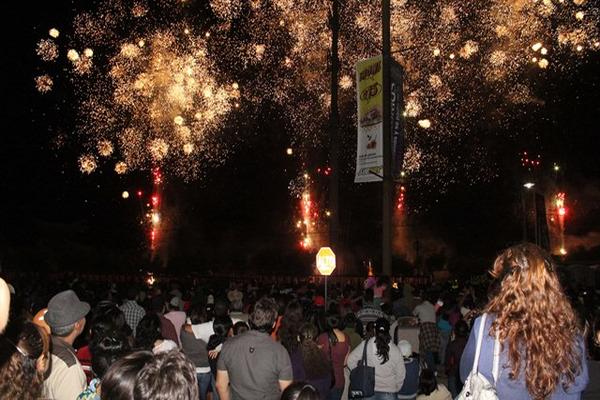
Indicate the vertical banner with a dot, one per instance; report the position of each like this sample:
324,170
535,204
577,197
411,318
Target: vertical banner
369,151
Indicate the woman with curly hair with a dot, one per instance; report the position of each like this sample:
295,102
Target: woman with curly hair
542,353
293,318
24,355
313,365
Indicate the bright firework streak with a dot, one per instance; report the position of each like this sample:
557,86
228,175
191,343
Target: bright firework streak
154,215
310,220
306,207
400,199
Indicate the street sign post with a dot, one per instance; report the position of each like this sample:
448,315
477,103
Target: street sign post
325,265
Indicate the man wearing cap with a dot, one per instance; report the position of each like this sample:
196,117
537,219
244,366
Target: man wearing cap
176,316
66,318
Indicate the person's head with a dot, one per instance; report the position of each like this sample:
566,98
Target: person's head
350,321
240,327
300,391
461,329
237,305
333,321
291,320
221,307
66,315
118,382
222,326
264,315
147,332
427,382
132,293
197,314
308,332
24,358
166,376
382,339
106,350
106,318
535,318
174,304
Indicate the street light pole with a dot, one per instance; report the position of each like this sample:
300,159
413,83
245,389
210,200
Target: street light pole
387,152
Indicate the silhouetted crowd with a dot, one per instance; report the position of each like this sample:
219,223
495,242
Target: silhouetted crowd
522,336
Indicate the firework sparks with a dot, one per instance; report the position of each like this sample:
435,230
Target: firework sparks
120,168
47,50
87,163
44,83
162,79
105,148
160,82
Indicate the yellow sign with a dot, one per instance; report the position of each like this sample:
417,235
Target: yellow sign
325,261
370,91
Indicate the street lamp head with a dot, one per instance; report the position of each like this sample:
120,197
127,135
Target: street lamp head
528,185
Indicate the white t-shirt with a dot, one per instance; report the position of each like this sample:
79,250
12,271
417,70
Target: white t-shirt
425,311
205,331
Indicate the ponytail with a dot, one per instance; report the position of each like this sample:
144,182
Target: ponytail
382,339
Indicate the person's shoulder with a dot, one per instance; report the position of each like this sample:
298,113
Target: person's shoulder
395,352
63,353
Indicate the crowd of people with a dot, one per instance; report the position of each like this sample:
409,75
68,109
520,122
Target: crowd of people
525,334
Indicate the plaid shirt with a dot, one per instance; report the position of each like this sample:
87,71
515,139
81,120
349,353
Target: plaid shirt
429,337
133,313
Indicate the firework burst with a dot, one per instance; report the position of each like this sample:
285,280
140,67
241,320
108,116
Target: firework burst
161,91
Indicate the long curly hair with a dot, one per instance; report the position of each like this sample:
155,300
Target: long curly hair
21,351
293,318
316,364
535,319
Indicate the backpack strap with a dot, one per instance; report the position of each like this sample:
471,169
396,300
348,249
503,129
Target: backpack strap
364,356
496,364
479,340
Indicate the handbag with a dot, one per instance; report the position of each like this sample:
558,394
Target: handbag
362,378
476,386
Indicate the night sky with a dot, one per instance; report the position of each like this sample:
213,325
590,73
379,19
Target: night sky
240,215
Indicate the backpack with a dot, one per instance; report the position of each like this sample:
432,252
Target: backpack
476,386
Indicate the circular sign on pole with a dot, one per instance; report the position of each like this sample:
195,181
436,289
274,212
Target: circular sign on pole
325,261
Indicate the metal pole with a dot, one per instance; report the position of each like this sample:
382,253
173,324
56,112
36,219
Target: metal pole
334,142
387,131
326,293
